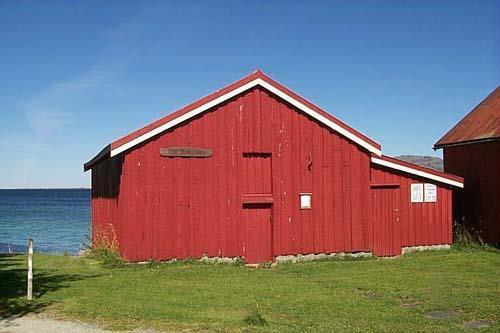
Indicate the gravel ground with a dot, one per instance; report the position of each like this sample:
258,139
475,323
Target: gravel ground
30,324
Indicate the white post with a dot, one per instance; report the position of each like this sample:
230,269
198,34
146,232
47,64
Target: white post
30,269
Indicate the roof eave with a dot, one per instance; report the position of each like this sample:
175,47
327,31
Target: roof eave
418,170
462,143
105,152
257,78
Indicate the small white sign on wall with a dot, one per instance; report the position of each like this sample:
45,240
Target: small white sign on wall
417,192
305,200
430,193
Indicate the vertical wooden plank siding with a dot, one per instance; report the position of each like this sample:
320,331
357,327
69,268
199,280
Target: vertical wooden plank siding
328,204
477,202
427,223
346,195
174,207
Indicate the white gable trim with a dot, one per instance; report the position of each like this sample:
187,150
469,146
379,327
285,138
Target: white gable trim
238,91
417,172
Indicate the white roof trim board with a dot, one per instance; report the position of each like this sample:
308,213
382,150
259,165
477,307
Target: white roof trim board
417,172
337,128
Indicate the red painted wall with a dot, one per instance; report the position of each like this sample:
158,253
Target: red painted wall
478,203
164,208
167,208
426,223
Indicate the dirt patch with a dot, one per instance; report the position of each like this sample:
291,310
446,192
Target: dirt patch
370,294
477,324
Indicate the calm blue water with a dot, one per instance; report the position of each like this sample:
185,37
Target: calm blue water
58,220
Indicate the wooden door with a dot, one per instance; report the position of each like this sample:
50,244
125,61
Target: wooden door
257,219
386,221
257,204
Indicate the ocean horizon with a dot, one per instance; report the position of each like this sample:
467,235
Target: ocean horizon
46,188
57,219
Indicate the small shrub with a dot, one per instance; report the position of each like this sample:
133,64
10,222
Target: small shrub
105,248
108,257
466,238
254,318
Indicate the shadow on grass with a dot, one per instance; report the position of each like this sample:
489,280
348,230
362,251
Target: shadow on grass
13,301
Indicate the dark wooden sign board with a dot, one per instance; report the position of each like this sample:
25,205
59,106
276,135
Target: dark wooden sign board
185,152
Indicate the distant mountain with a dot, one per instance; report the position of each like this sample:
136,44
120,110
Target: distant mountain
425,161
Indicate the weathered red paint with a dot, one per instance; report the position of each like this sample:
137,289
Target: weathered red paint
471,149
477,204
399,222
257,243
244,199
386,221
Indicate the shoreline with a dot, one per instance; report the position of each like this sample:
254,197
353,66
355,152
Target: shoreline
46,188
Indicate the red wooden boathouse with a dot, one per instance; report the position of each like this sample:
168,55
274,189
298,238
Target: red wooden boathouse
471,149
256,171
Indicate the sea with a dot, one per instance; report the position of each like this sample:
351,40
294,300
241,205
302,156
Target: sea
58,220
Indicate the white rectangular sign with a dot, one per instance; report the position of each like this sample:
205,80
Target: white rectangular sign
305,200
417,192
430,193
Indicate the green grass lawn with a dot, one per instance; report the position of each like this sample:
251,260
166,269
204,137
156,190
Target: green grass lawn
357,295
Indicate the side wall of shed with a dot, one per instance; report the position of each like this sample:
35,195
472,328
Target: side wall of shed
426,223
106,178
191,207
477,203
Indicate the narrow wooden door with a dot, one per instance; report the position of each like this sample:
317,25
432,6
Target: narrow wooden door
386,221
257,218
257,204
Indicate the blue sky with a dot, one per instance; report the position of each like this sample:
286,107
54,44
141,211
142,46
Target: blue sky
76,75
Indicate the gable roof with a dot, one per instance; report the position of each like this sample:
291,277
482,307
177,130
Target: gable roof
257,78
481,124
417,170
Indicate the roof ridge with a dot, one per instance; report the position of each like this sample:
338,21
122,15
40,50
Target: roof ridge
256,78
